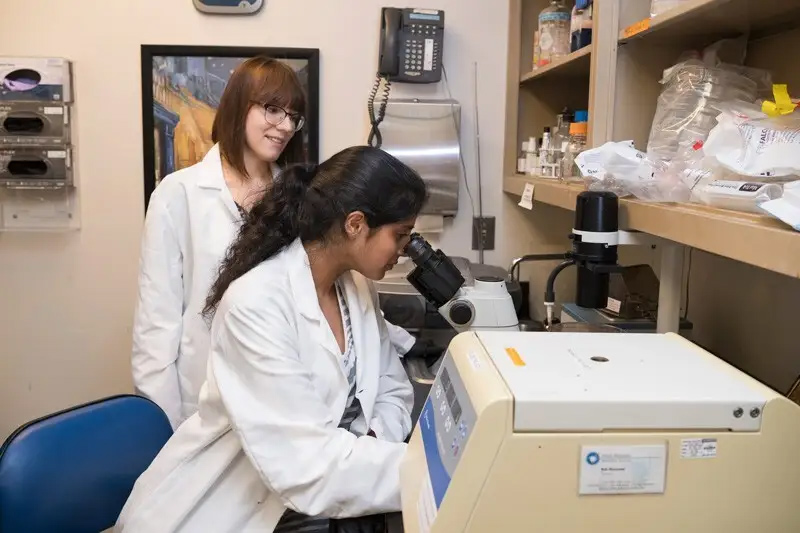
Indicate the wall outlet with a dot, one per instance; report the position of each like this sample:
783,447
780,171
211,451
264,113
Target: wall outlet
483,233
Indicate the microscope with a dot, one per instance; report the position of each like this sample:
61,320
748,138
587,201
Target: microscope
486,305
595,238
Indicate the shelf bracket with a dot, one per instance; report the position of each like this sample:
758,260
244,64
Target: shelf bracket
670,287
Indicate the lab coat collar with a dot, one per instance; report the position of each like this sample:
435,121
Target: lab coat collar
305,295
212,176
303,290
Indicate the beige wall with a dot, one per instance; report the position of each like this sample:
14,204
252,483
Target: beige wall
67,300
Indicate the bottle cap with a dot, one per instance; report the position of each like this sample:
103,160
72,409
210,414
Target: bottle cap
582,116
547,129
579,128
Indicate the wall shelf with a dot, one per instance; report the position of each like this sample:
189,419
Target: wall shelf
753,239
576,64
744,286
710,19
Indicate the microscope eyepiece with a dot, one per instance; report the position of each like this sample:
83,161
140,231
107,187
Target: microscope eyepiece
418,248
435,276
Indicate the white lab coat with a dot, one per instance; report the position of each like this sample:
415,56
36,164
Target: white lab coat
191,220
266,436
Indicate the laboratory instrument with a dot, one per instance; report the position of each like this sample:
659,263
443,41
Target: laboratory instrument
404,306
569,432
484,305
595,237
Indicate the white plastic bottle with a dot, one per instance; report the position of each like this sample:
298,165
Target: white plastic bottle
554,32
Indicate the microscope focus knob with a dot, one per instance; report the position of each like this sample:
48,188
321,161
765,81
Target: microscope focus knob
461,313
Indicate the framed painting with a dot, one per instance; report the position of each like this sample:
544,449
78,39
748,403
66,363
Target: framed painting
181,89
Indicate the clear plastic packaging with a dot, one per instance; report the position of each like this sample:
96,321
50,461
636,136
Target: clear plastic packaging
787,208
620,168
688,105
554,34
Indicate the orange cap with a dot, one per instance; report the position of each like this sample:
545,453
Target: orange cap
579,128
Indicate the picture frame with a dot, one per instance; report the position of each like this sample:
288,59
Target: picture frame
180,87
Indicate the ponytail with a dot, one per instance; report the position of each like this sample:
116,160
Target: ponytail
311,203
270,226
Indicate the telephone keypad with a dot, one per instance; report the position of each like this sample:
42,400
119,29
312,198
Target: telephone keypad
415,47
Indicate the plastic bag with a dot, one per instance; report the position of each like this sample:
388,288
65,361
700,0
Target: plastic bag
756,145
688,105
787,208
620,168
695,88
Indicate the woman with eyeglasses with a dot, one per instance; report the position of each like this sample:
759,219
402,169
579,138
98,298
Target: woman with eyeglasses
193,216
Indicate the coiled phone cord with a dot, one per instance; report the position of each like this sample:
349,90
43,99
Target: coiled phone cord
375,137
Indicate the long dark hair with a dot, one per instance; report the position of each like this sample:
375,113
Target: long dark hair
309,202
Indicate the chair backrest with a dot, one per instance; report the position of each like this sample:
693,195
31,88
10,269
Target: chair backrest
72,471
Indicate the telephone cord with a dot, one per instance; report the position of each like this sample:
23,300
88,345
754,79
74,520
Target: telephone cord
375,137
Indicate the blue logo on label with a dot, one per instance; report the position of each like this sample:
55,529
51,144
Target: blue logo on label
593,458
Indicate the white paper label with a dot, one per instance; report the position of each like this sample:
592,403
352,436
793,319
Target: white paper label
623,469
734,188
698,448
53,110
57,154
426,506
428,61
527,197
613,305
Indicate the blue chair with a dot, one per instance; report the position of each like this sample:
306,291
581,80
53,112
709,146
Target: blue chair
72,471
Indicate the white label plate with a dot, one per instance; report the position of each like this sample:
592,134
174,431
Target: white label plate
698,448
623,469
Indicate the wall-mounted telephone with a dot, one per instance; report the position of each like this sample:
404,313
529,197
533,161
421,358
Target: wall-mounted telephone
411,47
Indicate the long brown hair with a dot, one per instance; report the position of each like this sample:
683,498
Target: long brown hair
258,80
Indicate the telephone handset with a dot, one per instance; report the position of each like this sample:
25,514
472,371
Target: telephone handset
411,46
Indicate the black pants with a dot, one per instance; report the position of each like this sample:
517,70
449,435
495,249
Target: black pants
363,524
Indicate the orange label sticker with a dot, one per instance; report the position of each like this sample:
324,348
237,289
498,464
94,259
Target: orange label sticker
637,27
515,357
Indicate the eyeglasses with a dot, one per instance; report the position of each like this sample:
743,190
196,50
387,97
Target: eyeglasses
275,115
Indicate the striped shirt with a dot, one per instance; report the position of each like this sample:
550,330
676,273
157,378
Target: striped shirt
293,522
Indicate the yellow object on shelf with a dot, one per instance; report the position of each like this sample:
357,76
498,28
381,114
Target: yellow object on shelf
783,104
